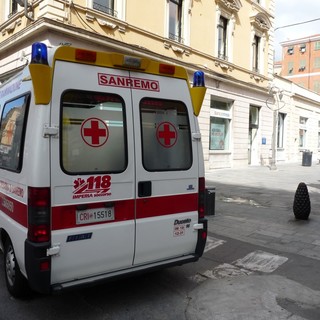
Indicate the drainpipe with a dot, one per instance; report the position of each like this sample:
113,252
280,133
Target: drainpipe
25,4
309,62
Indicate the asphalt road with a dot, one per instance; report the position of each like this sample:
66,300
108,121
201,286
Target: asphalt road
260,263
193,291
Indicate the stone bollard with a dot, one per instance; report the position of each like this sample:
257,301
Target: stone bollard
301,203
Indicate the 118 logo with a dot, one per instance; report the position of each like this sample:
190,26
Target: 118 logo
94,186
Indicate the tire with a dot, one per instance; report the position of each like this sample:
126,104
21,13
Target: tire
16,283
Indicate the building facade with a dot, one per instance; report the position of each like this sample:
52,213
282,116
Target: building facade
298,121
301,62
230,40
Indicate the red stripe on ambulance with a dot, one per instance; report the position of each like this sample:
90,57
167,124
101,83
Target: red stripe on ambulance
64,217
111,80
161,206
14,209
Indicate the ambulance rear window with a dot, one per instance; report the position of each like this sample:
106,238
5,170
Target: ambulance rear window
12,129
166,137
93,132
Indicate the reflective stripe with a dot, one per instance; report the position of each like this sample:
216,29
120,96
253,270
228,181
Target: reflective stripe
64,217
14,209
160,206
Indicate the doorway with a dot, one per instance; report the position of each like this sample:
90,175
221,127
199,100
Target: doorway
253,151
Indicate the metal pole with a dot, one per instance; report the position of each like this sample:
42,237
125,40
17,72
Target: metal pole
275,107
273,161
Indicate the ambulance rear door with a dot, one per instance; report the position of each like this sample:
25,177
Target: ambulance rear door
167,169
92,173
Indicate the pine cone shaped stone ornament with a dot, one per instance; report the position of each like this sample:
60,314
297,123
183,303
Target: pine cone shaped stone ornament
301,203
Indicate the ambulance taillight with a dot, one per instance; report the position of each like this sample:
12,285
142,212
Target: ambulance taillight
201,199
167,69
85,55
39,214
39,53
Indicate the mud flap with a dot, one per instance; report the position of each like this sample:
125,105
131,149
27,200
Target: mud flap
38,266
202,238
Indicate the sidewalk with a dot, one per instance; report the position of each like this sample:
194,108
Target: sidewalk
254,204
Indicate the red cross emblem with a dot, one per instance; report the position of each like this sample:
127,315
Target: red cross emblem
94,132
167,134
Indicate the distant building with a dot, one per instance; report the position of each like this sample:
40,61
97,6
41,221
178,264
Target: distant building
277,68
301,62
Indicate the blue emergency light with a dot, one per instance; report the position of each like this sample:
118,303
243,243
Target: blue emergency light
198,79
39,53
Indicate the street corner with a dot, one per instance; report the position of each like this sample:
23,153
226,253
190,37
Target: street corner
253,296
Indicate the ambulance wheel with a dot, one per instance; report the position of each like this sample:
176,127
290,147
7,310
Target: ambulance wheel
16,283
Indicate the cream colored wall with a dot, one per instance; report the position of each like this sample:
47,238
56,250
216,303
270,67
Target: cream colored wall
147,15
146,26
202,31
2,12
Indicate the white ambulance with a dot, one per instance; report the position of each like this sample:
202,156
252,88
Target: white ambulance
101,169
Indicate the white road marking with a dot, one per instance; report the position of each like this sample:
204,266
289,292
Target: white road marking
261,261
213,243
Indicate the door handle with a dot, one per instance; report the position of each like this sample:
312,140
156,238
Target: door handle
144,189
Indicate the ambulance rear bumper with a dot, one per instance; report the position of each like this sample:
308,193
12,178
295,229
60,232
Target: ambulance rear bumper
92,281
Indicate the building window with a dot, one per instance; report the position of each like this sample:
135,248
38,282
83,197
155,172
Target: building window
280,133
317,45
302,132
316,86
318,134
13,7
317,62
290,67
254,117
302,65
175,20
222,38
220,119
256,50
303,48
290,51
106,6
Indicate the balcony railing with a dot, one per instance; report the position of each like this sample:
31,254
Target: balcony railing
175,37
222,56
105,9
256,70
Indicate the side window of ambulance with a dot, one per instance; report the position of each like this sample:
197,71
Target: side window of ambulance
93,132
166,137
12,129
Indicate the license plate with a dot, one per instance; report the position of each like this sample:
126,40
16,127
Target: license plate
94,215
